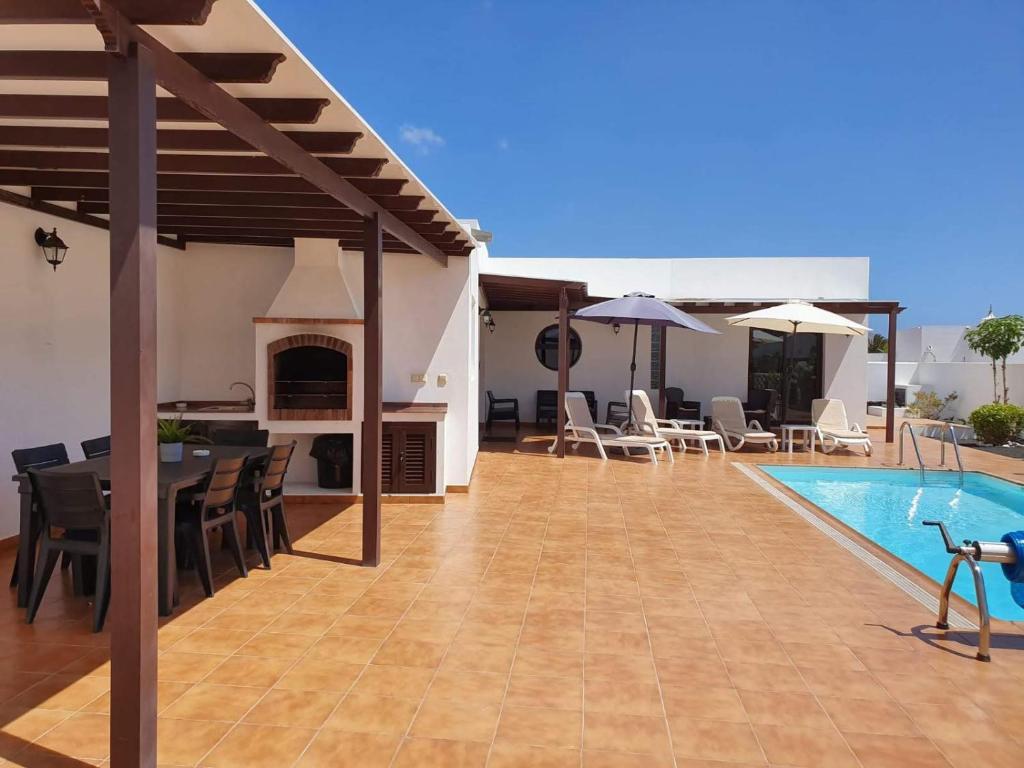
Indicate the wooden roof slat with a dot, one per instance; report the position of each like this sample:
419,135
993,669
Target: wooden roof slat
22,177
416,219
270,110
394,246
93,65
179,163
181,12
56,136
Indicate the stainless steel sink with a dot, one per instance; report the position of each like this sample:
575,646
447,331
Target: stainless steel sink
225,409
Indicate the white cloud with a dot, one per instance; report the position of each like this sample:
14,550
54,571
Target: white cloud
423,139
503,144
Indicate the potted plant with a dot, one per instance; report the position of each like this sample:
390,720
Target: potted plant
171,435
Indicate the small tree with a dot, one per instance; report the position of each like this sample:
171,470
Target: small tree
878,343
997,339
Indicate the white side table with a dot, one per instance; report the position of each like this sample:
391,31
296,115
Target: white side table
789,433
697,424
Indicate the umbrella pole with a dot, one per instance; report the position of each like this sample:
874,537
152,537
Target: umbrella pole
632,377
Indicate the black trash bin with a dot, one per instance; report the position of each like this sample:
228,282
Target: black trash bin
333,454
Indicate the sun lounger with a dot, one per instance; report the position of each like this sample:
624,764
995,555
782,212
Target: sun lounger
668,429
580,428
834,429
728,421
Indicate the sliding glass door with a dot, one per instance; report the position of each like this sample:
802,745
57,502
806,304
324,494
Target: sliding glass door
772,354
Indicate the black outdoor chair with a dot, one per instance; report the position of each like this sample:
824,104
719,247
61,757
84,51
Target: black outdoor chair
212,509
72,502
97,447
616,414
263,505
547,404
760,406
677,407
502,409
40,457
247,438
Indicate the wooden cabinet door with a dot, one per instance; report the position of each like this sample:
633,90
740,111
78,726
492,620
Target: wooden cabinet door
409,457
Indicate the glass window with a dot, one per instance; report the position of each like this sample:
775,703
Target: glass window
771,354
546,347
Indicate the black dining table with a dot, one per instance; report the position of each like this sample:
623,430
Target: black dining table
172,478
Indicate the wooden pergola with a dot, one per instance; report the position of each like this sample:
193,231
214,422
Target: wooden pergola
506,292
202,165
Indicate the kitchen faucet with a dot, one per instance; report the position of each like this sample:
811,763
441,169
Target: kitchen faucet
251,400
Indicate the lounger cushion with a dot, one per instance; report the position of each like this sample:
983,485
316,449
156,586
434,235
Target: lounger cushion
844,434
754,435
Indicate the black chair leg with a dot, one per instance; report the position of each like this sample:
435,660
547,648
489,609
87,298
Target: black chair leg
201,550
99,612
281,527
44,570
230,533
256,531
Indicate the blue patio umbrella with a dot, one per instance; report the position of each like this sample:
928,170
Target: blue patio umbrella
640,309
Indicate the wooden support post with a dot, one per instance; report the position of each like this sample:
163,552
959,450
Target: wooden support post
133,463
563,367
662,361
890,381
373,392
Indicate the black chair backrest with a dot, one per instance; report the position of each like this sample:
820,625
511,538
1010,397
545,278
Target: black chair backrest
247,438
274,470
757,399
98,446
490,397
674,395
70,500
220,491
40,458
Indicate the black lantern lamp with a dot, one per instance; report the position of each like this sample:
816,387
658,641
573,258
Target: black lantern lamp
488,319
54,249
616,328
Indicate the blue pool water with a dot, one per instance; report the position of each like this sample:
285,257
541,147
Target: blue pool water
888,505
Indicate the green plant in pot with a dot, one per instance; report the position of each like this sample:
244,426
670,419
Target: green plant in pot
171,435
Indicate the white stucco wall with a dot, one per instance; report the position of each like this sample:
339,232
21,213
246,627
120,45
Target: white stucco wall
844,360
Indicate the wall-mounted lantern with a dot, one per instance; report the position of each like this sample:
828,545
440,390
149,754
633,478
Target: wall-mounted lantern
616,328
488,319
54,249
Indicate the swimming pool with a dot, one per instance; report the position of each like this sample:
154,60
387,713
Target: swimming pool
888,505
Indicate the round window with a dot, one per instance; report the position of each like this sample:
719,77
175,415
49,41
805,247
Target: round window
546,347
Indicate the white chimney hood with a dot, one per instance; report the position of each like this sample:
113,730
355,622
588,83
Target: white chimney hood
316,287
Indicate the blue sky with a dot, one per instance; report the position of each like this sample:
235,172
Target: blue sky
893,130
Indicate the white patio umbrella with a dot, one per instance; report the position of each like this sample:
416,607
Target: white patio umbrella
793,317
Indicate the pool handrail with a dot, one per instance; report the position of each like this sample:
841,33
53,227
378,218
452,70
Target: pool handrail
917,449
947,427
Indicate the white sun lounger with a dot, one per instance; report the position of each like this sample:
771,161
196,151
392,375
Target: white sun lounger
728,421
829,417
649,424
580,428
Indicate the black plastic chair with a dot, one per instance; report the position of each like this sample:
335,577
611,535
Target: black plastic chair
247,438
616,413
73,502
263,505
760,406
678,407
40,457
502,409
547,404
212,509
97,447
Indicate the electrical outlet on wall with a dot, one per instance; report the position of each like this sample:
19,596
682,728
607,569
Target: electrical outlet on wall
442,379
418,378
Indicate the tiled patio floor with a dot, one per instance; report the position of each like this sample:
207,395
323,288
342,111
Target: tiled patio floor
561,613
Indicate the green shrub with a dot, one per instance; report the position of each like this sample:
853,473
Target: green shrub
997,423
928,405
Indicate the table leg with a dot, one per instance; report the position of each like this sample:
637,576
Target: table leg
812,442
789,442
167,562
26,548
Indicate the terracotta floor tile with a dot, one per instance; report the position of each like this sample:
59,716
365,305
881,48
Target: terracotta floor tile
259,746
471,687
65,692
779,708
544,692
320,675
250,671
206,701
704,703
625,733
186,667
435,753
331,749
300,709
955,721
372,714
623,697
399,682
276,646
184,742
599,759
540,727
805,747
878,751
511,755
295,623
713,740
455,721
540,663
82,735
362,626
864,716
352,650
597,666
222,641
843,684
410,653
29,725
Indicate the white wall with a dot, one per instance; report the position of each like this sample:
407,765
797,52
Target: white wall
844,361
54,341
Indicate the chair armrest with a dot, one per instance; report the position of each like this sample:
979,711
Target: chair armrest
666,423
609,427
583,432
755,424
857,428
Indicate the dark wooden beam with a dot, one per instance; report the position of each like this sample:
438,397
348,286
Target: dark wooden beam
92,65
12,198
287,242
133,462
180,12
273,220
563,368
188,85
662,363
243,209
184,140
373,392
30,105
297,228
215,197
364,167
890,381
208,182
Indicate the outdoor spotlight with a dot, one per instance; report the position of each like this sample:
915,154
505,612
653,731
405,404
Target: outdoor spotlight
616,328
54,249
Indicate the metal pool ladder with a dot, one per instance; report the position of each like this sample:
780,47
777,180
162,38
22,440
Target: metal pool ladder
947,427
917,450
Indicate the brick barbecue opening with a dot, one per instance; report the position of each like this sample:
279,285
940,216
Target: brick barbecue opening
309,378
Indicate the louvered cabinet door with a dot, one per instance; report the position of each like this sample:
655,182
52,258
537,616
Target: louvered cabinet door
409,457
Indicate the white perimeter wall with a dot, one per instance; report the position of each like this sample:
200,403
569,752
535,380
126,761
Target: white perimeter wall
704,365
